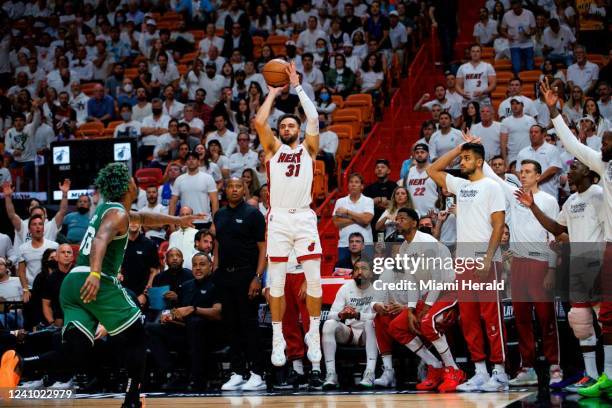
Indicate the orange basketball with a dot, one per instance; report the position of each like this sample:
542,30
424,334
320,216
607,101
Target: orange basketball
274,72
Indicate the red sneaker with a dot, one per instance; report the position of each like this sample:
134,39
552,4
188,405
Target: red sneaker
433,379
452,378
10,369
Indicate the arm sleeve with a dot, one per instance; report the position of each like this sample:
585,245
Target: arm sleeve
584,153
506,188
312,116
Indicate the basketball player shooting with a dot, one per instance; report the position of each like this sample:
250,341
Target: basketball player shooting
291,222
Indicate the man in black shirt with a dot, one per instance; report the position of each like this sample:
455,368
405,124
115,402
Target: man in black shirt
174,276
356,246
349,22
52,310
191,322
240,259
286,102
380,191
140,264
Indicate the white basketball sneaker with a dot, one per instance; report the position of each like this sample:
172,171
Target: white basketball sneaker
387,379
234,383
255,383
278,357
313,342
475,383
498,382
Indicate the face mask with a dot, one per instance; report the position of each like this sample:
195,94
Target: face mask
357,281
52,264
126,116
324,97
128,88
83,210
426,230
156,111
321,50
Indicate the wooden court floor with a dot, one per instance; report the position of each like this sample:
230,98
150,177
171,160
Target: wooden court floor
366,400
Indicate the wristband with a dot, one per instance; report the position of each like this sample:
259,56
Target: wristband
95,274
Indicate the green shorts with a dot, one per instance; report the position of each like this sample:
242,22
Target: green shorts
113,308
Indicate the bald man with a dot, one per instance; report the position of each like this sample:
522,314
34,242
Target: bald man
184,238
101,107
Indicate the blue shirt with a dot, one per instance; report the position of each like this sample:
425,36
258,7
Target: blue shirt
77,226
97,109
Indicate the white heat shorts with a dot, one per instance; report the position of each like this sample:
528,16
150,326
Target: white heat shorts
292,229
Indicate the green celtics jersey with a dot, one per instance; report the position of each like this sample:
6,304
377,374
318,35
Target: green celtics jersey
115,250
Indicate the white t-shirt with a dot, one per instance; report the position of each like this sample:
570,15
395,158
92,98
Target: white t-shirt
213,170
485,32
369,79
228,141
543,113
314,77
362,205
439,144
476,201
605,109
517,26
193,191
583,77
151,122
213,88
475,78
489,137
129,129
423,190
23,235
583,215
159,232
548,156
560,42
328,142
11,290
239,162
33,257
518,134
448,105
505,111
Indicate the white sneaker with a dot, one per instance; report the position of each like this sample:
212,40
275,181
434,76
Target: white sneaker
255,383
556,374
387,379
62,385
367,381
278,357
32,384
313,342
331,381
475,383
498,382
525,377
234,383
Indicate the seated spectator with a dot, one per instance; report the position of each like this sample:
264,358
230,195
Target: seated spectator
223,135
558,42
210,38
143,80
156,234
485,30
605,100
166,145
501,45
588,133
78,102
77,222
216,156
10,288
51,307
306,42
284,24
251,183
514,92
163,74
100,108
212,83
152,127
311,74
353,213
165,190
237,38
128,127
174,276
582,73
190,322
127,93
140,264
113,83
538,34
324,102
371,76
518,26
550,68
172,107
340,79
204,242
574,107
355,246
244,158
386,224
142,108
471,115
499,166
64,118
441,100
445,138
591,109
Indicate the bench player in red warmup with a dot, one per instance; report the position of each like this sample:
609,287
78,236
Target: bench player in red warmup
292,225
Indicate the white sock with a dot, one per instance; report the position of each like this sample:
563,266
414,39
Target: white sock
277,329
315,323
388,362
298,366
370,345
416,345
608,360
445,353
590,364
500,368
481,367
316,366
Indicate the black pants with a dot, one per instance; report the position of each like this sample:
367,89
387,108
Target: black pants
194,338
447,36
240,317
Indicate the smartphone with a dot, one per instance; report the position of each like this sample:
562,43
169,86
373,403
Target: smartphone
381,237
450,201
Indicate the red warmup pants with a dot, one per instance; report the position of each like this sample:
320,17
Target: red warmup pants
293,331
605,310
478,305
395,327
528,293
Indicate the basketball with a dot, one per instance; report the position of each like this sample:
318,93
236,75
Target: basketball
275,73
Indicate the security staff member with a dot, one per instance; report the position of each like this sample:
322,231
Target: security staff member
193,322
240,259
140,264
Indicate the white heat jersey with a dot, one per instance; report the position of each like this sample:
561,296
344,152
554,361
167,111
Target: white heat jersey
475,78
423,190
290,175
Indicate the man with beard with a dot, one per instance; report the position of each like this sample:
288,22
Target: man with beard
601,163
64,117
422,188
292,225
76,222
381,190
480,225
51,308
173,277
212,82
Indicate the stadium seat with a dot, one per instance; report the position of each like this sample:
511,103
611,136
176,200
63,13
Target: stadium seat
487,52
154,176
530,76
504,77
363,102
345,147
502,65
319,185
108,133
131,72
347,128
337,99
112,125
88,133
92,126
161,252
597,59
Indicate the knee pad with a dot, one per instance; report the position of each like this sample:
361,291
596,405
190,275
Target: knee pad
277,272
312,273
581,321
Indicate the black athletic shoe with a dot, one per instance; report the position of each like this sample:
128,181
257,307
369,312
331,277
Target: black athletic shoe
297,380
281,381
315,382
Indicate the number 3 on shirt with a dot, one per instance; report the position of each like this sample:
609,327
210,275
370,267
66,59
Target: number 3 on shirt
293,170
86,244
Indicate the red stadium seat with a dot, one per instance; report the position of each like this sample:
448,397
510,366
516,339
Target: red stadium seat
148,176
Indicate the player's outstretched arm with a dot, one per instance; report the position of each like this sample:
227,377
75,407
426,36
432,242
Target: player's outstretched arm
311,140
526,198
269,143
156,220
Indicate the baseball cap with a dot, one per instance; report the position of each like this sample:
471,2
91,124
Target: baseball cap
394,13
211,64
383,161
517,100
151,22
290,42
421,146
587,117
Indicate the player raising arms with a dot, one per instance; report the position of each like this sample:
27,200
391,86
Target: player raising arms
291,222
91,293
